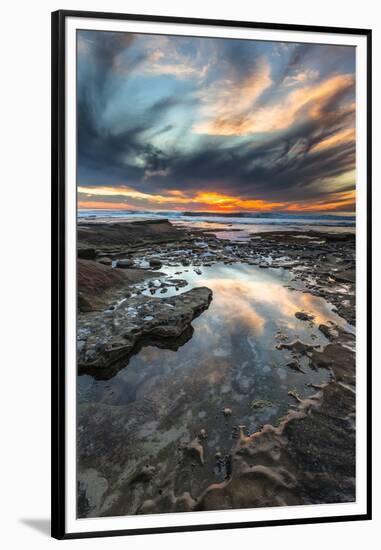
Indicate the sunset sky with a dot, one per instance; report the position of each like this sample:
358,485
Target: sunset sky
186,123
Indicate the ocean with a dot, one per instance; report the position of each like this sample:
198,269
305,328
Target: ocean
236,226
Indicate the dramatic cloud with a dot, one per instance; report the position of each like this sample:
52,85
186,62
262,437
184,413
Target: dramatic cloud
229,103
181,123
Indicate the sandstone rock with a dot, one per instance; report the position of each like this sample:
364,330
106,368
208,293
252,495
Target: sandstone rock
97,282
105,261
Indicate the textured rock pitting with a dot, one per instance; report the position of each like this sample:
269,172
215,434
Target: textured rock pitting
113,335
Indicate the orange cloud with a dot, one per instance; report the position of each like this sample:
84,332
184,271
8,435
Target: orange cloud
299,78
123,191
337,201
180,70
230,100
223,202
164,59
308,101
345,136
104,205
206,201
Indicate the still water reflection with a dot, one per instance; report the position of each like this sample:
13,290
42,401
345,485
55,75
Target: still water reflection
232,360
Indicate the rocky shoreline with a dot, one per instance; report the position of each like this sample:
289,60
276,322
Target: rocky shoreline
127,301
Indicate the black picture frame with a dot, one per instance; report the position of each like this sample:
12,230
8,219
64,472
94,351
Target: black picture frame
58,426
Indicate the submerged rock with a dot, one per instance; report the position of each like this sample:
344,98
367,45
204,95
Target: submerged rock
302,316
306,457
294,365
195,451
329,332
298,347
179,283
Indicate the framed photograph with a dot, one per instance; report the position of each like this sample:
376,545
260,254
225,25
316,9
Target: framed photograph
211,274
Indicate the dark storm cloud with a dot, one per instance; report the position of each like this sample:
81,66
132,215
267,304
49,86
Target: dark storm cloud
138,148
240,55
270,173
298,55
104,47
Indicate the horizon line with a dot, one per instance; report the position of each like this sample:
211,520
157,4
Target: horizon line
221,213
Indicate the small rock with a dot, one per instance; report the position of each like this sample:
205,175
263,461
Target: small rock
177,282
329,332
124,263
303,316
155,263
227,412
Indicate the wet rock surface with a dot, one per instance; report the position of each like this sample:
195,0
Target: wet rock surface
151,448
322,264
308,459
98,283
114,334
133,234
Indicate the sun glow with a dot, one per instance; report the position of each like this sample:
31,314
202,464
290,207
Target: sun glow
202,201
